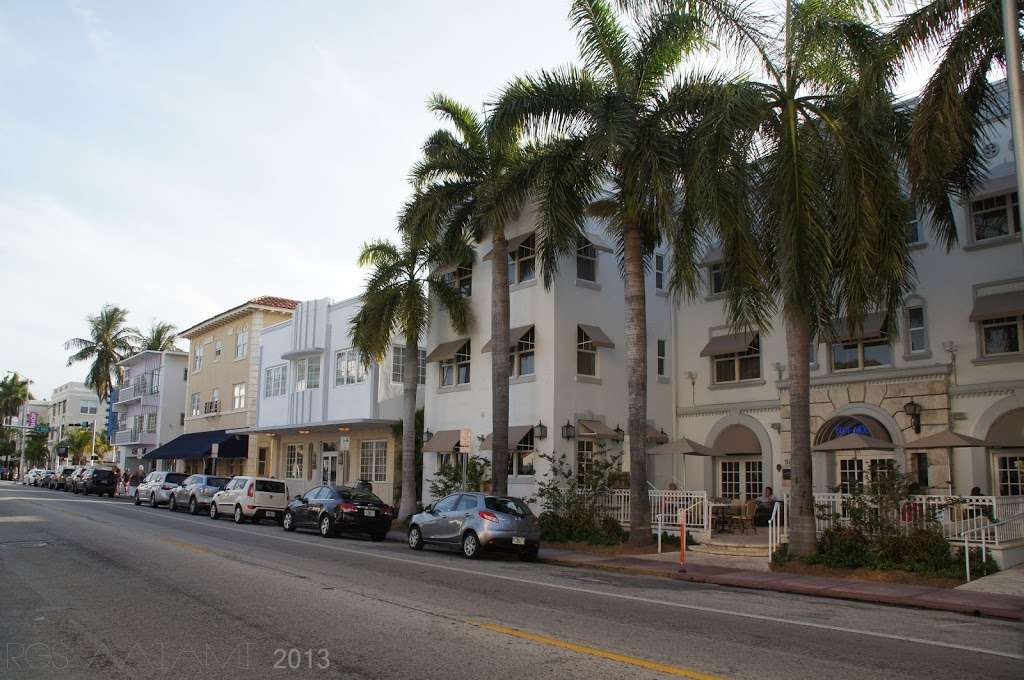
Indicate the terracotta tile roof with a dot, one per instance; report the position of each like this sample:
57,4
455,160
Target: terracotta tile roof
271,301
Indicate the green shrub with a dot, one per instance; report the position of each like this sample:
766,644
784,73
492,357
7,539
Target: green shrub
843,548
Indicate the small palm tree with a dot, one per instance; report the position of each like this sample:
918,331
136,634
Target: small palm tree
109,342
957,103
613,125
397,302
79,443
160,337
14,391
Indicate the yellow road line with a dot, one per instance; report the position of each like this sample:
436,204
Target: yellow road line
186,545
600,653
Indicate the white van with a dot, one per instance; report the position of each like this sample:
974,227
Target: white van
251,498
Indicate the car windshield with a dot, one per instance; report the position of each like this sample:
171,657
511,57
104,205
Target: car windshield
216,481
359,495
175,477
269,487
510,506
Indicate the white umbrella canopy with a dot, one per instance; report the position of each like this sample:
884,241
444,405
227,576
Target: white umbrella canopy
855,442
683,447
947,439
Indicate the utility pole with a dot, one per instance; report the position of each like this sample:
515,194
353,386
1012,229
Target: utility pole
1014,92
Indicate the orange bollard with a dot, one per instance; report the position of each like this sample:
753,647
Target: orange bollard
682,544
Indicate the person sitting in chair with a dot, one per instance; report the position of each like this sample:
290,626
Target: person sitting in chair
765,504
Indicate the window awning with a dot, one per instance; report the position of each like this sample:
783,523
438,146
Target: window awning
598,243
444,441
514,336
446,350
513,243
200,445
596,429
653,434
515,435
728,344
999,304
871,327
597,336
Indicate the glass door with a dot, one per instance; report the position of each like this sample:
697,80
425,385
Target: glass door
329,463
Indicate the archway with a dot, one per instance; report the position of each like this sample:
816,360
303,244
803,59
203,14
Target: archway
846,469
1006,437
742,461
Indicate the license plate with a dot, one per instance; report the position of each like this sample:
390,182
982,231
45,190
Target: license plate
518,540
370,513
270,514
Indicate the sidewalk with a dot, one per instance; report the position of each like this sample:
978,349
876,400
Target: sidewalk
957,600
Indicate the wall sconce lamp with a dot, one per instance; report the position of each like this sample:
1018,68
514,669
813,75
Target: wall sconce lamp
540,430
619,431
568,431
913,409
427,435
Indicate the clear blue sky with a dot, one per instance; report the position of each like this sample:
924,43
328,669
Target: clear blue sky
177,158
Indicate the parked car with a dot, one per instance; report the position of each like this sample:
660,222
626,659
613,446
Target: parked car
476,522
29,477
196,492
60,480
252,498
339,509
45,477
75,479
156,487
98,480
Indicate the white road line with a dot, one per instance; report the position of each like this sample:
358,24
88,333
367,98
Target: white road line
587,591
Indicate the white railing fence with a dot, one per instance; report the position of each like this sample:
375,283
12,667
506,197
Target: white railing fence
615,504
1016,521
774,530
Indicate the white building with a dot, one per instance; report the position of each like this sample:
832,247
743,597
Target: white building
568,345
150,404
74,406
958,356
322,416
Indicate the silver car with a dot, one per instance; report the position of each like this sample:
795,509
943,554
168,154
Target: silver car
195,493
474,522
156,488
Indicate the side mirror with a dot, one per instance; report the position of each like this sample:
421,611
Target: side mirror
300,499
429,509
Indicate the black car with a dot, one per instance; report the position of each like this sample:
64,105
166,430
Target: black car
339,509
98,481
74,480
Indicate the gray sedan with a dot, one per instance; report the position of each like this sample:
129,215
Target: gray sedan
195,493
474,522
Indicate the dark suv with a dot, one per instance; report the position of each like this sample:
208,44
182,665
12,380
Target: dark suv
98,481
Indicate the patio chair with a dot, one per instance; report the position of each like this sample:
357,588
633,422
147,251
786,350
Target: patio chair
745,518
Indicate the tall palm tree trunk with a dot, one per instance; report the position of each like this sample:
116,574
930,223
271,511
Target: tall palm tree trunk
636,386
802,536
499,365
410,385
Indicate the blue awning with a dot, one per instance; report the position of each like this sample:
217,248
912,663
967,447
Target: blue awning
200,445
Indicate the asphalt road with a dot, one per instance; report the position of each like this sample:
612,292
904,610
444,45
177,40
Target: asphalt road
94,588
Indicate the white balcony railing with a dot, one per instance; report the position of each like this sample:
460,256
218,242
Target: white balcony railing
134,436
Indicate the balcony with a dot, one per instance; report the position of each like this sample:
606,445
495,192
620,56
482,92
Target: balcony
144,387
211,407
134,436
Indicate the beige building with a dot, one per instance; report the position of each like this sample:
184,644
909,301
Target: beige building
223,384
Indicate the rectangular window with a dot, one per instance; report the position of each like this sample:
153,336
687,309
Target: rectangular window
293,460
584,460
274,380
586,354
348,368
521,456
421,372
995,216
753,479
241,342
373,460
729,478
912,225
854,355
522,356
461,279
1001,336
194,404
197,358
87,406
238,396
662,362
851,474
455,371
659,271
213,406
716,278
522,262
307,373
916,329
397,364
218,349
739,366
150,422
586,262
921,463
1010,475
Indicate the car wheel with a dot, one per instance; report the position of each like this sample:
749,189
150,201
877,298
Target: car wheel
415,538
238,516
193,507
529,555
213,511
152,500
288,523
170,504
137,501
470,546
326,526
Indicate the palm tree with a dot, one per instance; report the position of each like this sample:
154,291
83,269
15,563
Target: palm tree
14,391
957,103
109,341
472,184
397,301
79,443
612,116
160,337
797,175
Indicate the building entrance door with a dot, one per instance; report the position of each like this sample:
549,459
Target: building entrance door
329,463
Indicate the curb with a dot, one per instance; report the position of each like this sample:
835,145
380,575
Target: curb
918,597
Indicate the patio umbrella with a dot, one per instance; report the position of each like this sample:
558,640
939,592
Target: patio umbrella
683,447
947,439
855,442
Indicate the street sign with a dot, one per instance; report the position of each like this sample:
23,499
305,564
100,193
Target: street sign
41,429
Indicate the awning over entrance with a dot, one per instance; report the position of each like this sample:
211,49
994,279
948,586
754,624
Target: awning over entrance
200,445
514,335
513,243
855,442
596,429
737,440
1008,430
446,350
999,304
681,447
870,327
515,435
444,441
728,344
597,336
